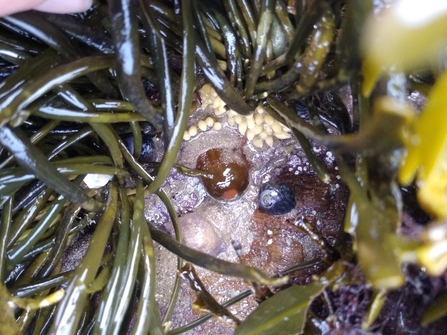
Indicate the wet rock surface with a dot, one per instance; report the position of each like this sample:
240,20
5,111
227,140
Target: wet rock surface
278,243
271,243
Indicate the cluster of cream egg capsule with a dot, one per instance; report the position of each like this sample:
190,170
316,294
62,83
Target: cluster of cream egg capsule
259,127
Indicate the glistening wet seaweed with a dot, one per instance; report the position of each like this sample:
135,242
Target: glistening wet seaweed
74,77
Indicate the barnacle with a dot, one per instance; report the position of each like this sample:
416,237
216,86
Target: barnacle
82,96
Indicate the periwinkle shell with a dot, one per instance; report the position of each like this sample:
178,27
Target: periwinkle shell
276,198
147,154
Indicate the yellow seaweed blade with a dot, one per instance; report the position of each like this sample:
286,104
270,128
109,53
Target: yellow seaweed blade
432,194
428,155
409,35
371,72
404,38
432,128
375,252
433,257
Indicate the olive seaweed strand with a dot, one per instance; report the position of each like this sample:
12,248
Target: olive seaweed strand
282,82
137,135
34,161
162,10
107,321
312,14
148,315
127,51
34,24
211,263
219,82
35,138
201,26
68,313
39,65
231,48
259,54
247,12
13,56
238,22
91,37
56,113
12,104
40,285
283,18
23,219
185,99
16,253
61,239
172,213
160,58
6,220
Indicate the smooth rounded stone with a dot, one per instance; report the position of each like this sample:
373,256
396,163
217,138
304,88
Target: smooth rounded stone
199,234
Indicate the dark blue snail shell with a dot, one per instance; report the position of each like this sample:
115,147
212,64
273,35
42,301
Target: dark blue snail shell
147,154
276,198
